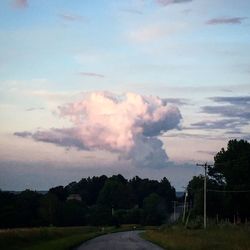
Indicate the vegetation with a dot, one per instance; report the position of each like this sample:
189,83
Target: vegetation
216,238
100,201
59,238
228,185
45,238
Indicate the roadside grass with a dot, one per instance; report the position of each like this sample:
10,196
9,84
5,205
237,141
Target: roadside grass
47,237
54,238
215,238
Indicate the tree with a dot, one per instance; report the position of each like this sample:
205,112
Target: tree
116,193
60,192
73,213
167,192
232,171
232,166
215,201
49,208
154,209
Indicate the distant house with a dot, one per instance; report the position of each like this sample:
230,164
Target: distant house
74,197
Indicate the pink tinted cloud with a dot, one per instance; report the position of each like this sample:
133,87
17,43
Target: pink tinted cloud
20,4
127,125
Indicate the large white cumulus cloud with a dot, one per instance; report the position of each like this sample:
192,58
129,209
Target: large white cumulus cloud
128,125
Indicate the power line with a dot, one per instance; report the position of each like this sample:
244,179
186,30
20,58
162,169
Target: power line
218,190
228,191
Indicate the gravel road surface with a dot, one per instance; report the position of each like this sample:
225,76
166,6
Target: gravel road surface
119,241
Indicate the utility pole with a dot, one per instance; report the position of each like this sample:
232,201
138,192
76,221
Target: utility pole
174,210
184,207
205,165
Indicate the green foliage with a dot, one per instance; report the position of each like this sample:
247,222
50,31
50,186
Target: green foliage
48,210
104,201
233,165
116,193
214,238
231,172
154,209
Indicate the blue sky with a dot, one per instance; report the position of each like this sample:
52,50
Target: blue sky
192,53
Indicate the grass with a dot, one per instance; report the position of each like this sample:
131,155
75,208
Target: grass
54,238
48,237
216,238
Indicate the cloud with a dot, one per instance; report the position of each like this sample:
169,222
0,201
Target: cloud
168,2
127,125
177,101
35,109
20,4
225,20
132,11
91,74
234,113
219,124
229,111
61,137
153,32
149,33
70,17
235,100
23,134
238,107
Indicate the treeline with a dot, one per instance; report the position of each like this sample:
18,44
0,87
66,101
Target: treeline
228,185
91,201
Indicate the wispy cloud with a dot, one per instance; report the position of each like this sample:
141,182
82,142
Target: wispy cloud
194,136
228,111
168,2
225,20
233,114
219,124
234,107
34,109
23,134
154,32
91,74
132,11
61,137
20,4
71,17
235,100
177,101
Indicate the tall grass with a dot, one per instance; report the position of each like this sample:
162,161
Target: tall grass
216,238
54,238
46,238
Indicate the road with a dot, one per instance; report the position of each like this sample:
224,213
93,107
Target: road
119,241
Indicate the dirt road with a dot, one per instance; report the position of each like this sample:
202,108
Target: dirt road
119,241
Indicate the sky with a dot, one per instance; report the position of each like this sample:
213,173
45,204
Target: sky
136,87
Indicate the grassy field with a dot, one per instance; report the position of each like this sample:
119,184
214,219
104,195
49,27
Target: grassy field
48,237
226,238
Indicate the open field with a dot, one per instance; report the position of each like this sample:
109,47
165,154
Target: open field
59,238
48,237
226,238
